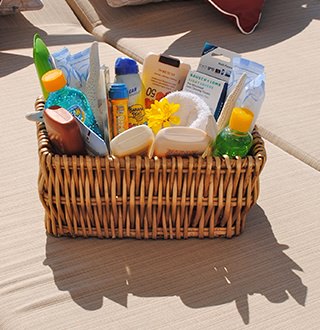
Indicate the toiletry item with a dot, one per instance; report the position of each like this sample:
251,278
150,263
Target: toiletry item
127,72
69,98
75,67
216,62
230,102
235,139
210,89
137,140
253,94
103,104
94,144
63,131
82,71
180,141
41,58
211,79
242,65
162,74
194,112
91,85
118,109
35,116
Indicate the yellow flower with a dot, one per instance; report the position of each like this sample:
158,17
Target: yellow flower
160,115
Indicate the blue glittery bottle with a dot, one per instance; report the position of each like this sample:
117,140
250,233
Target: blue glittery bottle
69,98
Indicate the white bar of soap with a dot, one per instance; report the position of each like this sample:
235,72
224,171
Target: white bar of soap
137,140
180,141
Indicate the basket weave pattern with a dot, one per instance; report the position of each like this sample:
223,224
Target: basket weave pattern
138,197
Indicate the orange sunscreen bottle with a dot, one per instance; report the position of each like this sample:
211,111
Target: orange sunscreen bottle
118,109
161,75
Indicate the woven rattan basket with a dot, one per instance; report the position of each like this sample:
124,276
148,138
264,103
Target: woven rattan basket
139,197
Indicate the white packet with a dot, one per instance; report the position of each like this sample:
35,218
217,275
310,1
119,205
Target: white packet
252,97
75,67
253,93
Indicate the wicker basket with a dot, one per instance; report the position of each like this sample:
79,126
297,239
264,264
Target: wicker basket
137,197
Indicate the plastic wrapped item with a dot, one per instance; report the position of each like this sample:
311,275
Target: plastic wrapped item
74,67
253,94
82,71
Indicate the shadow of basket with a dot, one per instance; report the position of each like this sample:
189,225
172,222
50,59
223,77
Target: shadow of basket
202,273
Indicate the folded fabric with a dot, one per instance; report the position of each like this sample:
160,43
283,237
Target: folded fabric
194,112
246,13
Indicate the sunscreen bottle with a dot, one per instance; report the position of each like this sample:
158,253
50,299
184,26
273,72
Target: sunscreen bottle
118,109
127,72
63,131
161,75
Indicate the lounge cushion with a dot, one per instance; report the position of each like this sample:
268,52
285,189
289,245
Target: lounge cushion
8,7
120,3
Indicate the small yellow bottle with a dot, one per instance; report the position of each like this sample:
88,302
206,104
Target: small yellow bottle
118,109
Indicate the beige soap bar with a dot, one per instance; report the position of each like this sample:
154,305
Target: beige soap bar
180,141
137,140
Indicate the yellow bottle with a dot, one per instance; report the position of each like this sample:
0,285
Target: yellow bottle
118,109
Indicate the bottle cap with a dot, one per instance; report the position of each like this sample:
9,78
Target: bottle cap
241,119
126,65
53,80
118,91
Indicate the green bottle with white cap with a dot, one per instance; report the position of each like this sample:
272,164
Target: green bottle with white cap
41,58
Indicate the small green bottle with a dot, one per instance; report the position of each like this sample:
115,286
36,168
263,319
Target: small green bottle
41,56
235,139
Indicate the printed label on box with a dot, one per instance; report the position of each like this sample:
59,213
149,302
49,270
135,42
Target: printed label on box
210,89
216,62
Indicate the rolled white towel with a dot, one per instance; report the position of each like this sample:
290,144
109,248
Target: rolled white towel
194,112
